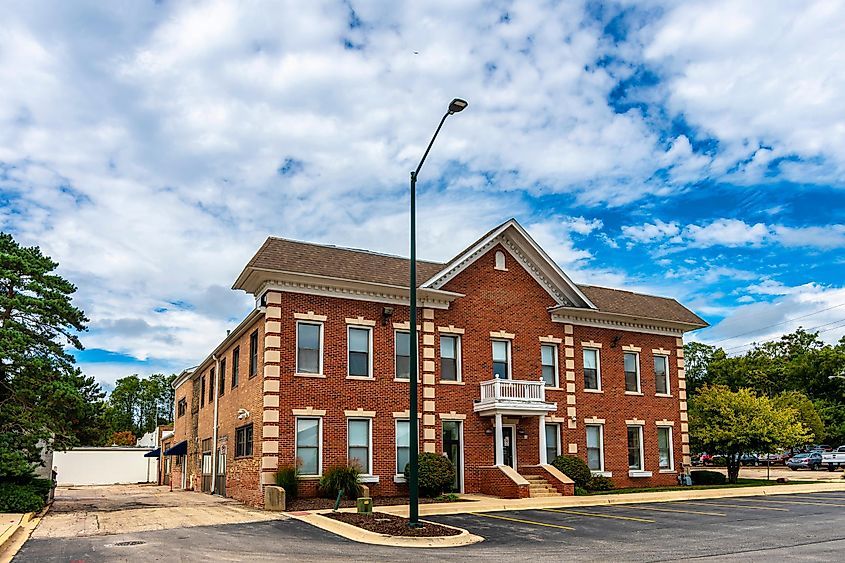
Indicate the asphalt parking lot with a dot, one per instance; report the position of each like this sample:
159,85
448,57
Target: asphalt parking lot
798,527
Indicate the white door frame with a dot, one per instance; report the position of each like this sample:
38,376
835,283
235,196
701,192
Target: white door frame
514,437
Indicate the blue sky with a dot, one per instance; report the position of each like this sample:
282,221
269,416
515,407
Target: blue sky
691,149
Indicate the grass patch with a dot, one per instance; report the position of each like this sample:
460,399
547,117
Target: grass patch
740,483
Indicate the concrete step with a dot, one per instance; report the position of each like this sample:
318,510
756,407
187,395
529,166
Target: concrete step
538,487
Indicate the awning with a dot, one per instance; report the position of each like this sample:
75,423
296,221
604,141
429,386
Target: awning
153,453
179,449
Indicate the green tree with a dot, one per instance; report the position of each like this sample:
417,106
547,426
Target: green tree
697,360
44,399
138,405
807,413
731,423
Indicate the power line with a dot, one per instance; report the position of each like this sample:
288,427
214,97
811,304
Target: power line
807,329
778,324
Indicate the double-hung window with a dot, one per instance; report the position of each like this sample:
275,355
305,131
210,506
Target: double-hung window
309,345
182,407
501,359
632,372
552,441
661,375
211,386
592,373
236,360
253,354
548,359
243,441
222,383
450,351
635,448
359,352
358,444
664,448
403,354
403,445
202,391
308,438
595,447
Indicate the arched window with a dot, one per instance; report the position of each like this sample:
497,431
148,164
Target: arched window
500,260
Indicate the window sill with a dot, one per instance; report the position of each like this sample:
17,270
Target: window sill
368,479
639,473
447,382
635,393
593,390
361,377
310,477
602,473
667,471
662,394
316,375
399,479
554,389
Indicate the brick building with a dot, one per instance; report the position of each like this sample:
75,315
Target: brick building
517,365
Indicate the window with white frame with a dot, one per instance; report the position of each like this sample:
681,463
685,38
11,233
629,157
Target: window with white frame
403,445
635,448
595,447
552,441
309,346
403,354
359,351
592,371
664,447
450,357
661,374
501,359
308,445
548,359
631,362
358,444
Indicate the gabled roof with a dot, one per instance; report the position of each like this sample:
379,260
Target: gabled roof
640,305
527,252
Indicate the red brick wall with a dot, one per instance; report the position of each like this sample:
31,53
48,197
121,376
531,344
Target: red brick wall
493,481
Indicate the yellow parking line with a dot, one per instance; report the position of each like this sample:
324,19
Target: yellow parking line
521,521
591,514
812,503
732,505
628,506
821,498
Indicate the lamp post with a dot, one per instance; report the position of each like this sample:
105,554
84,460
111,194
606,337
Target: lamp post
414,442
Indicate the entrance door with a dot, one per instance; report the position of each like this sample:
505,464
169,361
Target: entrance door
508,446
454,450
220,481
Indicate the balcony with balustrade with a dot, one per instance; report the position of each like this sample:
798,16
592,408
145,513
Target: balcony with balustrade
513,397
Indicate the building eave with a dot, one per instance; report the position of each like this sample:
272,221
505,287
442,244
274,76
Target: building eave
621,321
236,333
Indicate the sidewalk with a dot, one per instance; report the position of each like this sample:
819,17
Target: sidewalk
16,529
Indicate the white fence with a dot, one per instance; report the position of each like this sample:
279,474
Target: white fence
105,466
512,390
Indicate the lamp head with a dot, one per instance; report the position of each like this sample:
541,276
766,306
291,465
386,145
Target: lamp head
457,105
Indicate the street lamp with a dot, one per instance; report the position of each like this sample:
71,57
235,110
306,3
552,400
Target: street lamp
413,477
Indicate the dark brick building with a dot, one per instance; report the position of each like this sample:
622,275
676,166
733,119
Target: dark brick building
517,365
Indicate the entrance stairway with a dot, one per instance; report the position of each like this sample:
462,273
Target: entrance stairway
539,487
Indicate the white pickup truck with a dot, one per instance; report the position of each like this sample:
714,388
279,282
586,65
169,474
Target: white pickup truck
834,459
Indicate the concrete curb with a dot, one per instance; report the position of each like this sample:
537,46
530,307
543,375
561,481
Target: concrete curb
17,534
360,535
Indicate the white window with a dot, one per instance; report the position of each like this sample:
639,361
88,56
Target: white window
632,372
664,448
548,359
592,369
661,374
595,447
309,348
403,355
308,444
635,448
500,260
358,440
403,445
360,352
501,359
450,357
552,441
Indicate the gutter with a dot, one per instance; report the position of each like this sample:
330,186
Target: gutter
214,428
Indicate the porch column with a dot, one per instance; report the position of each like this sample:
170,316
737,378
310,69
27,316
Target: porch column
543,460
500,457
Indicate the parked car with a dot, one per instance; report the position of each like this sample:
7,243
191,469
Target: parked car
775,459
749,459
822,448
811,461
701,459
834,459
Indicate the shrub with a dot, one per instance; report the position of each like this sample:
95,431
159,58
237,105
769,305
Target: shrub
600,483
341,478
287,477
581,491
708,478
15,497
448,497
436,474
575,468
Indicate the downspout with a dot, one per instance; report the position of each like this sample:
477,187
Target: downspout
214,429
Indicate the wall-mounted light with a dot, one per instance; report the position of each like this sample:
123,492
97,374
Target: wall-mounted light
615,340
386,313
243,414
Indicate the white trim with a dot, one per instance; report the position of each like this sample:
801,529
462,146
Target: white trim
461,425
558,442
450,329
514,439
360,321
600,426
639,428
671,448
369,331
639,389
508,356
397,331
458,359
310,316
396,445
555,364
319,357
319,420
633,473
598,371
602,473
619,321
668,392
369,421
501,335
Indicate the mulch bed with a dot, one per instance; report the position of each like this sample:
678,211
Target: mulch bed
392,525
321,503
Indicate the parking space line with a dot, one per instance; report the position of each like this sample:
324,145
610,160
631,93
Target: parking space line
820,498
732,505
809,502
699,512
535,523
594,515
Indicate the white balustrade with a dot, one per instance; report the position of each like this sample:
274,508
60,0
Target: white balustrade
513,390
